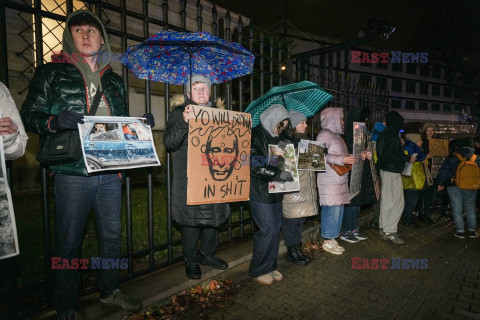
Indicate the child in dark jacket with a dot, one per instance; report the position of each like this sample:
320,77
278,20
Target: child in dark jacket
460,199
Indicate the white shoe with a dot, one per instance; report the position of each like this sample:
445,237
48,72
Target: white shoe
265,279
276,275
338,246
329,246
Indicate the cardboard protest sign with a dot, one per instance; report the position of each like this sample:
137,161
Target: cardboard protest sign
285,159
311,156
357,168
218,156
438,147
115,143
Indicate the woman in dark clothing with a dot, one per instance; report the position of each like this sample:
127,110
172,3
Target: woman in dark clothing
426,197
351,232
199,219
265,207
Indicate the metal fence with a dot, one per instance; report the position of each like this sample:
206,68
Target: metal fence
129,23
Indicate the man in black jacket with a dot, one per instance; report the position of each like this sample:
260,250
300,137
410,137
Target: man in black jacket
391,162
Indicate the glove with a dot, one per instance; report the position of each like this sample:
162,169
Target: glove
66,120
150,119
282,144
285,176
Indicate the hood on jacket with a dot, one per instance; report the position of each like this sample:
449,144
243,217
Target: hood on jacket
414,137
69,45
331,119
179,99
354,115
377,129
394,120
271,117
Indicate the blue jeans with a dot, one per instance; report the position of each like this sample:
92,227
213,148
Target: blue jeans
463,201
331,221
411,197
268,218
350,218
74,197
292,231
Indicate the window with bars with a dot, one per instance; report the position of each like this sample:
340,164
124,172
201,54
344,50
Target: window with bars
397,67
447,92
435,90
410,87
423,88
396,104
447,107
423,106
411,68
382,82
435,106
410,105
424,70
397,85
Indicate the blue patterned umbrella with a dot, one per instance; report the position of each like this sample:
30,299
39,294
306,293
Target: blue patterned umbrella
172,57
306,97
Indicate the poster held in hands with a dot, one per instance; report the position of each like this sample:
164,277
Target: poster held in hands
438,147
218,165
286,160
311,156
117,143
357,167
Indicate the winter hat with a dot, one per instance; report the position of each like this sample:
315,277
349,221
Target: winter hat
271,117
428,125
414,137
464,143
197,78
296,117
395,120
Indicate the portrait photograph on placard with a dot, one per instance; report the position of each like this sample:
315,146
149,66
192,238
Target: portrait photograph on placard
218,156
311,156
113,143
286,160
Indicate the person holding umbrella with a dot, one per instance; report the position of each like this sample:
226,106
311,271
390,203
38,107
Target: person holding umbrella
301,204
198,220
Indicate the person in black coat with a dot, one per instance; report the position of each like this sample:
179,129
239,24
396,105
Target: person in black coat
198,219
351,232
265,207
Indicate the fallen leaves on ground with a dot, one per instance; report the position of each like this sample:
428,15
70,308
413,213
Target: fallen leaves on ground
312,247
193,303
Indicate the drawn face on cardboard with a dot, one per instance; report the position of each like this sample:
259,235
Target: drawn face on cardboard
221,151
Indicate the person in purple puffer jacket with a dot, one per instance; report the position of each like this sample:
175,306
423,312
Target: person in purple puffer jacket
333,188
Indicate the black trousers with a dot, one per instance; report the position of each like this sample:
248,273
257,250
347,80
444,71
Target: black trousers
190,237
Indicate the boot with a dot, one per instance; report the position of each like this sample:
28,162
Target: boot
292,256
298,248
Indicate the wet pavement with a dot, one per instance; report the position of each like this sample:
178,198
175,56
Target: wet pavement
434,275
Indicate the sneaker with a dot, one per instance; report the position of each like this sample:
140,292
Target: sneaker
472,234
276,275
338,246
459,234
359,235
349,237
393,237
122,300
265,279
330,246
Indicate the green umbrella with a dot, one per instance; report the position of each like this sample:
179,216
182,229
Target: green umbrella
306,97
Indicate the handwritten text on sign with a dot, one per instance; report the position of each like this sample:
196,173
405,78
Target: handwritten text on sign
218,153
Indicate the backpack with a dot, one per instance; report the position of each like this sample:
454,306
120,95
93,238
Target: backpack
467,176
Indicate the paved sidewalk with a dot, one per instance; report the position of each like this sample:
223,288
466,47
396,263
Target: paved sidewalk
328,288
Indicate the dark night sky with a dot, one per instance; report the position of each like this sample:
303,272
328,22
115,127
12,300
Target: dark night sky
339,19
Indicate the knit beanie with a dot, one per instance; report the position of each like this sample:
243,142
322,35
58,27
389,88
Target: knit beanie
414,137
197,78
296,117
271,117
428,125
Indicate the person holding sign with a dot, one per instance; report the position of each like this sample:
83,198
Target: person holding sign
59,95
265,207
332,186
301,204
198,220
426,197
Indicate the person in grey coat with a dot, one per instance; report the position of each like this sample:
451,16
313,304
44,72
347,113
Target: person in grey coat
198,220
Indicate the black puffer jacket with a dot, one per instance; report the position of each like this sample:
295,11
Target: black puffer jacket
261,173
60,86
175,140
367,193
391,156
